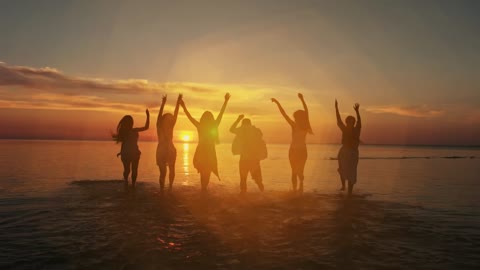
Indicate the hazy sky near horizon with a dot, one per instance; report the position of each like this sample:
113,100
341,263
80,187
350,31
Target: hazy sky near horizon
72,69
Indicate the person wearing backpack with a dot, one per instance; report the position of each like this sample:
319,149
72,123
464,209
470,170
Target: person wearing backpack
249,144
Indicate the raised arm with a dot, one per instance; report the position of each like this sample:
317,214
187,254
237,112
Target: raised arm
222,110
340,123
282,111
160,112
189,116
356,107
300,96
233,128
175,113
147,123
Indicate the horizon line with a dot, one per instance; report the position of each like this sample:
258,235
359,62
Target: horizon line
194,142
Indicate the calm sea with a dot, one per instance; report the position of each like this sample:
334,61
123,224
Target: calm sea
62,206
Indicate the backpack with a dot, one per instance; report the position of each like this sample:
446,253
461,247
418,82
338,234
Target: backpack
236,146
258,145
262,149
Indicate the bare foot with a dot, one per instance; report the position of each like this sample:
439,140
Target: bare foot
261,187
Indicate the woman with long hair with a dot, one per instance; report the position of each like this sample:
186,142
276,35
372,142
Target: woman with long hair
166,152
297,153
127,135
348,154
205,157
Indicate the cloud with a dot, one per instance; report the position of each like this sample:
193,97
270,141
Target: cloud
57,102
50,78
48,88
420,111
25,87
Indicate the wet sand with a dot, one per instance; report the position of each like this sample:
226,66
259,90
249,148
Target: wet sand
97,225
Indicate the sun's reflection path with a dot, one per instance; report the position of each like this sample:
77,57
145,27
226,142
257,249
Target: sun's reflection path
186,158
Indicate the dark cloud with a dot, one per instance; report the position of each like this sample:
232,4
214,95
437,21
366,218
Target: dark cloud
49,78
48,87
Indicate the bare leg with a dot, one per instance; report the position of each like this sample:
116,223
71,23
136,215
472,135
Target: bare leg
126,171
300,187
300,175
205,179
163,173
342,179
134,171
243,176
294,181
343,182
293,165
350,188
171,175
353,181
256,173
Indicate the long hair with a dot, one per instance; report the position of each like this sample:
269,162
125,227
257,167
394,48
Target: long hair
207,123
302,121
123,127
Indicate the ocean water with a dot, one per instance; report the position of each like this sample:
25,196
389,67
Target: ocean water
63,206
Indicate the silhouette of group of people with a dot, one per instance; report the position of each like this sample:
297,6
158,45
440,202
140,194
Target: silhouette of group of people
248,144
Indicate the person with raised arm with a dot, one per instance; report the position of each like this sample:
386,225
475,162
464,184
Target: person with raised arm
205,157
166,152
127,135
297,153
249,144
348,154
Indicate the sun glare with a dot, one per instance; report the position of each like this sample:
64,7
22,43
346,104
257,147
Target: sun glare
185,137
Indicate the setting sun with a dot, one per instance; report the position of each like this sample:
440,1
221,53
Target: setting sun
185,136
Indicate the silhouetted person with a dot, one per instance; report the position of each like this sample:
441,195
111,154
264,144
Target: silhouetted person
297,153
129,152
250,146
348,154
166,152
205,157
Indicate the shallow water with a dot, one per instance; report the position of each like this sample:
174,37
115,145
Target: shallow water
63,207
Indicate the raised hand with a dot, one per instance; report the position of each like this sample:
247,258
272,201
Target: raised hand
164,99
336,103
274,100
241,116
300,96
227,96
180,97
147,112
356,107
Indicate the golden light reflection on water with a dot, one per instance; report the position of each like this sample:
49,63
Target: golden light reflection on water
186,158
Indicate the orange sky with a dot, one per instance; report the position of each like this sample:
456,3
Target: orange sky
72,70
